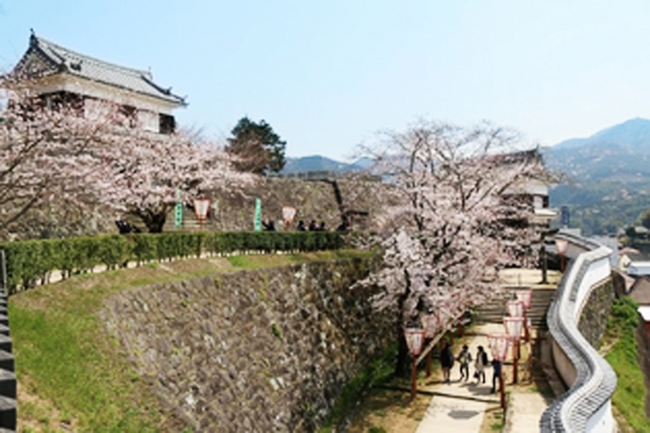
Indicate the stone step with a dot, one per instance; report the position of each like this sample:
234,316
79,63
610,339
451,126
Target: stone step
539,312
495,310
499,318
534,317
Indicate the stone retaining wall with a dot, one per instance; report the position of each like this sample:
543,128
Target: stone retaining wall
643,356
265,350
315,200
593,319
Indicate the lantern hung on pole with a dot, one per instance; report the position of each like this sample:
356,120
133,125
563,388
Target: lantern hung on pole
430,325
288,215
201,207
526,297
515,308
499,344
513,327
414,340
562,245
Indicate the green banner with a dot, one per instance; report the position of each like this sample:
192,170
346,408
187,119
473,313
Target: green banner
178,212
258,215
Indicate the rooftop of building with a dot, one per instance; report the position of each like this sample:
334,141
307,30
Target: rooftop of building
63,60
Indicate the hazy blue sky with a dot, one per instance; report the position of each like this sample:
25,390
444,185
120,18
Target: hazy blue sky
328,74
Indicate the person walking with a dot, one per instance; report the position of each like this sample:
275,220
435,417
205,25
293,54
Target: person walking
496,372
480,364
464,358
446,361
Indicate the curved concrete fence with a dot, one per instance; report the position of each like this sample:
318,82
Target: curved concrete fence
586,406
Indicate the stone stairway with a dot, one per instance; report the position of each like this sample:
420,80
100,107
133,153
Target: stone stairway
495,310
190,223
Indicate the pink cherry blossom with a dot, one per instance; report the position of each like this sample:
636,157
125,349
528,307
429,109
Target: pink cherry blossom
462,217
97,161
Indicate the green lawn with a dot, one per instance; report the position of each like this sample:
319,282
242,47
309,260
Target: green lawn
72,374
629,396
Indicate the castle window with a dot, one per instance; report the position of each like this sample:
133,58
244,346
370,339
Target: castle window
128,117
167,124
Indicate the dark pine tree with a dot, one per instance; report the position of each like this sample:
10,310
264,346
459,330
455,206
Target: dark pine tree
259,148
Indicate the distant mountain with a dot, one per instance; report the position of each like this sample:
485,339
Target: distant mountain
633,135
608,176
318,163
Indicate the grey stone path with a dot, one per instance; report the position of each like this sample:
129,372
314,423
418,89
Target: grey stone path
525,411
459,414
460,407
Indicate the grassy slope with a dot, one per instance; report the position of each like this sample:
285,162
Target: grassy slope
71,373
630,391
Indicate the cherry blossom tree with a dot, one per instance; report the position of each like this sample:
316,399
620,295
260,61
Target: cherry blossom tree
63,157
44,154
462,217
143,173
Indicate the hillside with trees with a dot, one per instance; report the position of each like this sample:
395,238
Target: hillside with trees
606,181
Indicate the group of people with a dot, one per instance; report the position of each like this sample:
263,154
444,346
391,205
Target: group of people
313,227
124,227
464,358
269,225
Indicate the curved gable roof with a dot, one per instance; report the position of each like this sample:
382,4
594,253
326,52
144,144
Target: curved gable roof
53,58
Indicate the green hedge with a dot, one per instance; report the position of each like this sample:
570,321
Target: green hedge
29,262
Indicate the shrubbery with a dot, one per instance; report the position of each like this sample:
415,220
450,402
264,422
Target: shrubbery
29,262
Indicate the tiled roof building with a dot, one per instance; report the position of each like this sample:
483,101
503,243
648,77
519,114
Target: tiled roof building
61,72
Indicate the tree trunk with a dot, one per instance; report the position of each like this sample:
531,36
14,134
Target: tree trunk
403,362
156,223
402,368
